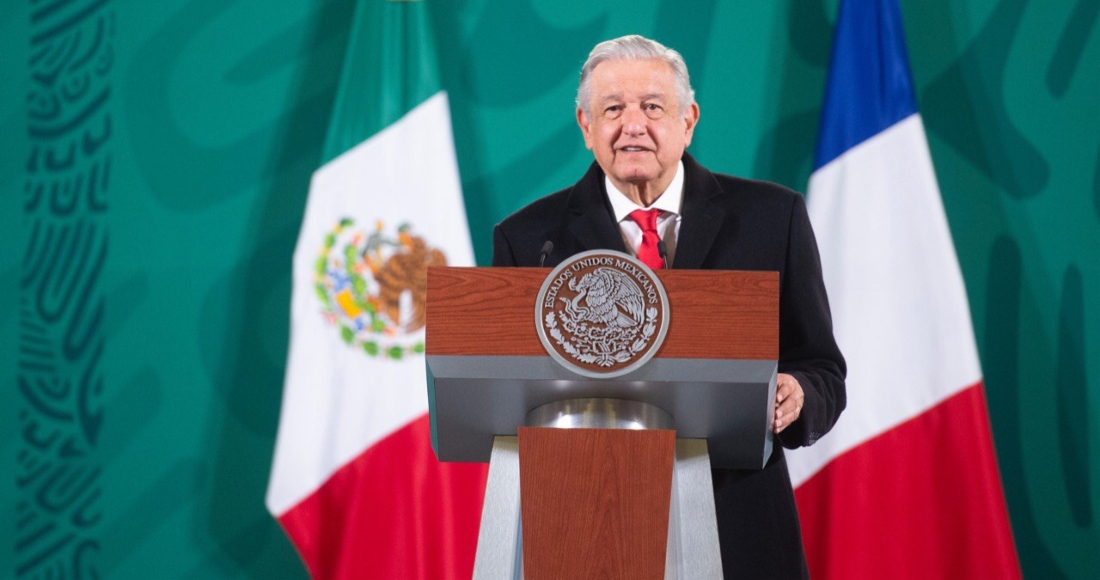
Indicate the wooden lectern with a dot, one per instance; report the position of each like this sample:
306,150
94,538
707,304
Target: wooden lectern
592,477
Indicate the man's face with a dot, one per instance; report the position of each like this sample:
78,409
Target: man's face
637,131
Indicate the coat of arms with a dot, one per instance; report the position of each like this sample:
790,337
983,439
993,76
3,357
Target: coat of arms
602,313
373,286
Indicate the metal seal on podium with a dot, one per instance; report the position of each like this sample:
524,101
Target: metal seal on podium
602,314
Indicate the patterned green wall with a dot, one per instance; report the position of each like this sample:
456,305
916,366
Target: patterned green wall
154,166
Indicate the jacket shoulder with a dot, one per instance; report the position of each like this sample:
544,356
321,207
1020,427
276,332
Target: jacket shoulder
518,239
756,191
538,213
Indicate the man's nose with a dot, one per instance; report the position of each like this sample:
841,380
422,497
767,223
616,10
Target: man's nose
634,122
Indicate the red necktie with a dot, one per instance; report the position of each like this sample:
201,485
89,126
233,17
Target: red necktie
647,250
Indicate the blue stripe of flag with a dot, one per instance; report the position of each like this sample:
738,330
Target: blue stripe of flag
869,86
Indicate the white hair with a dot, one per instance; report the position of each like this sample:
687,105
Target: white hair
634,47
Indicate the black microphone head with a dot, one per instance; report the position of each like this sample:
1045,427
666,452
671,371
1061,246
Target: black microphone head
547,247
662,250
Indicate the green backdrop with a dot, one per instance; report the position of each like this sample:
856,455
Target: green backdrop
154,165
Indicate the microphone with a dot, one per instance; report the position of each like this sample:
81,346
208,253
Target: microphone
547,247
662,250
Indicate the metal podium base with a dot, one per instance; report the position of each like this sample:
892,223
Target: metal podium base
692,551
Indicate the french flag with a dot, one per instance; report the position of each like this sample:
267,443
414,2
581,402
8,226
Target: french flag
906,485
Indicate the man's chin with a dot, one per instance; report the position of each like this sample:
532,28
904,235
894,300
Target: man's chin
638,179
636,174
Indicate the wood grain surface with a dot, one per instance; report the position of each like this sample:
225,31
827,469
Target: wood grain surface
713,314
595,502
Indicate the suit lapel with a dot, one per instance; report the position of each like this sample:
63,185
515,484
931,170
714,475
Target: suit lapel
701,217
592,226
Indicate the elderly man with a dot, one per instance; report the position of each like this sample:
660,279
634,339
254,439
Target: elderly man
637,113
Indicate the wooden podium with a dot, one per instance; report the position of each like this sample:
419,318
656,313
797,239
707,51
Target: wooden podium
592,477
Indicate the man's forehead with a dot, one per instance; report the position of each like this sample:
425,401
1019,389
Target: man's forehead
651,77
633,65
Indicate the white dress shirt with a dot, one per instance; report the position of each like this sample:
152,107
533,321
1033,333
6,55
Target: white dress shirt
668,222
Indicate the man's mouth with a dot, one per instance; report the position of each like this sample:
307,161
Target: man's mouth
633,149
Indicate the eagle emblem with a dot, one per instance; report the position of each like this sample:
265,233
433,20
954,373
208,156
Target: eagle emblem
373,286
606,296
602,313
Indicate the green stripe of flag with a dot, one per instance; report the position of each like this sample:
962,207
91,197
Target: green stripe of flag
389,68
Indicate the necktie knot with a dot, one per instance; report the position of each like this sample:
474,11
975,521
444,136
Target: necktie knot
648,251
646,219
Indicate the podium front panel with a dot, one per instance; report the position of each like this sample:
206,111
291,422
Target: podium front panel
715,372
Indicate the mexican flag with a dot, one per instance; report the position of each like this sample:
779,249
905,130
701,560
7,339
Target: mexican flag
906,485
354,482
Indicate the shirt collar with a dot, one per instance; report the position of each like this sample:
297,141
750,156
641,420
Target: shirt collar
668,201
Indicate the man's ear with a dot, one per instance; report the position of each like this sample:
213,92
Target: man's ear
690,120
586,127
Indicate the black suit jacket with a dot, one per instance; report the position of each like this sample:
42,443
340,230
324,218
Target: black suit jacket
727,223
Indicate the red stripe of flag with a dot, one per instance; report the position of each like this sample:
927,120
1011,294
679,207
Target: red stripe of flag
919,499
392,512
